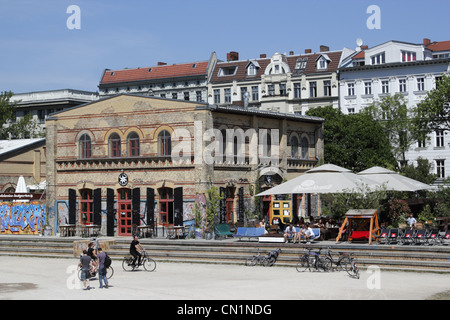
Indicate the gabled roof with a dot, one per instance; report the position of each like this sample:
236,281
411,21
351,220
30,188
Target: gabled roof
153,73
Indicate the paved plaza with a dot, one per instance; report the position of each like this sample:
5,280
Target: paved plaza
41,278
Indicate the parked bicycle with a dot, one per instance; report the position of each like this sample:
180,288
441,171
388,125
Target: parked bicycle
341,263
258,258
313,261
352,268
148,263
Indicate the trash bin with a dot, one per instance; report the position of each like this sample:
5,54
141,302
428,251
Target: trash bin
48,231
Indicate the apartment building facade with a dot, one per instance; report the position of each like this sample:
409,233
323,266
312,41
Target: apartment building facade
286,83
397,67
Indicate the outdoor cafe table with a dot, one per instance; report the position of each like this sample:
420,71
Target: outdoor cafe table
92,229
175,231
143,230
67,230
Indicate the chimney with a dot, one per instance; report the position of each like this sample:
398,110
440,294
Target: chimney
308,50
324,48
161,63
263,56
291,53
232,56
364,47
426,42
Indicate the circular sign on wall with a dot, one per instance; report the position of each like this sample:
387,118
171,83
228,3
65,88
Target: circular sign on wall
123,179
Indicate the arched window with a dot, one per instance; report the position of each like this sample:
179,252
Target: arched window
133,145
85,147
164,143
294,147
305,148
114,146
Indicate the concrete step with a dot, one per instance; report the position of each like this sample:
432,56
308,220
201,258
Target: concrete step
230,251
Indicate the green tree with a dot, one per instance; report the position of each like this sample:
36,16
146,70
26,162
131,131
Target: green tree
354,141
392,113
421,172
433,113
212,207
26,127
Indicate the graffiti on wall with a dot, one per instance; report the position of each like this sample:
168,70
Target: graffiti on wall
22,218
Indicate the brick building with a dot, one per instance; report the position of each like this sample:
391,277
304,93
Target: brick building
129,160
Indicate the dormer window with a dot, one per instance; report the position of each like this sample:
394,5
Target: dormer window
227,71
408,56
277,65
322,62
252,68
378,59
301,63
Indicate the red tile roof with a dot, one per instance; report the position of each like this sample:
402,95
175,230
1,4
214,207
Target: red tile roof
158,72
360,55
439,46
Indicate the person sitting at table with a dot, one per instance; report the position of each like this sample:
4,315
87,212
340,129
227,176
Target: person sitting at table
289,232
308,234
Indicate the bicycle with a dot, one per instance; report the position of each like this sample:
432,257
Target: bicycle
352,268
148,263
262,260
313,260
92,273
341,264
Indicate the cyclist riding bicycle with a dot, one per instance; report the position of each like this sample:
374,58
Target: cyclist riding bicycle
135,248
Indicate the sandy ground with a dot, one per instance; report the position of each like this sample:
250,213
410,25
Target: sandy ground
43,279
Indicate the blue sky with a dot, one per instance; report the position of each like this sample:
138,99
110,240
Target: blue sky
39,52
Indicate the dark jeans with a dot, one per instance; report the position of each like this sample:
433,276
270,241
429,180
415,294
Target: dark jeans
136,254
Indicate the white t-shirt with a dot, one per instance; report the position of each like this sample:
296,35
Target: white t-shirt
411,220
309,232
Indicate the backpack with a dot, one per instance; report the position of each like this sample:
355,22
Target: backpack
108,261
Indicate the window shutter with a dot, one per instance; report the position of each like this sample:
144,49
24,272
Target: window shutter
150,207
178,206
97,207
72,206
110,214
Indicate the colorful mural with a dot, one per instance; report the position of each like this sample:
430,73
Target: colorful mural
22,218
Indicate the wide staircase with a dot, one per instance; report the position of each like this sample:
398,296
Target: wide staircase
417,258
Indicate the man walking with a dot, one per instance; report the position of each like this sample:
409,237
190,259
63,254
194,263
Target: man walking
85,265
102,269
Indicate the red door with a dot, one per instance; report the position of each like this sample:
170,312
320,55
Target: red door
125,212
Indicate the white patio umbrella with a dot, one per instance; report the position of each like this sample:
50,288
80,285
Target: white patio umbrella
393,181
327,178
21,186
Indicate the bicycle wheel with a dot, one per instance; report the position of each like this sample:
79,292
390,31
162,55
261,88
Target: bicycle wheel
149,264
126,264
352,270
343,264
109,272
270,261
303,265
325,264
251,262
